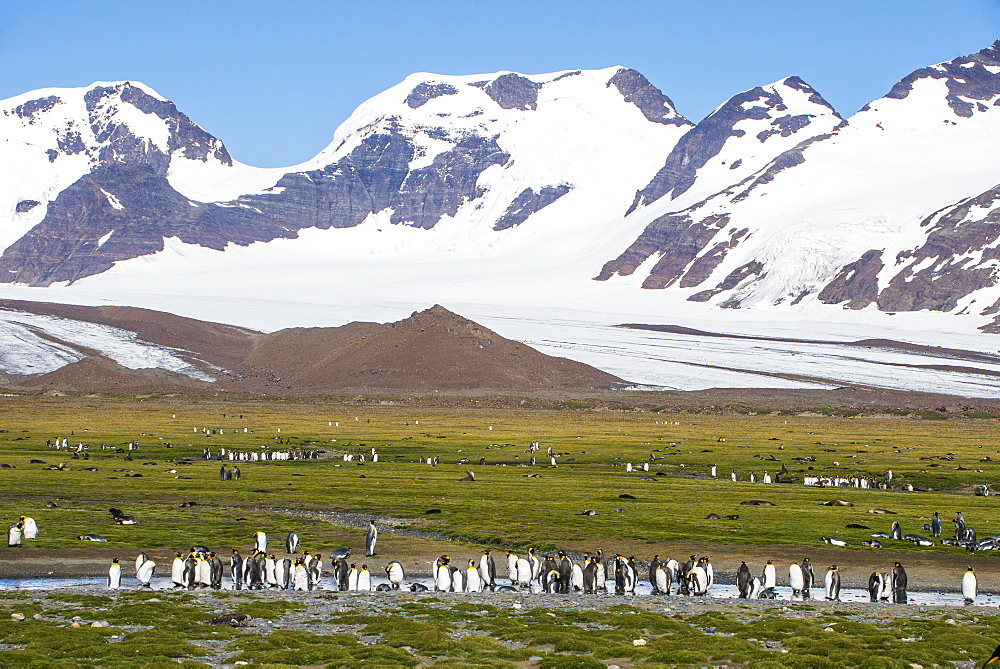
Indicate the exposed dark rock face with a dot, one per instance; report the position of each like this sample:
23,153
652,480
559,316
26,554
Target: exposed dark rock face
512,91
66,246
735,278
650,100
527,203
442,187
705,264
965,77
425,92
26,205
857,282
940,272
32,107
677,238
706,140
785,126
70,142
122,146
937,274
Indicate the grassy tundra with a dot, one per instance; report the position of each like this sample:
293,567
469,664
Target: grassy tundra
516,505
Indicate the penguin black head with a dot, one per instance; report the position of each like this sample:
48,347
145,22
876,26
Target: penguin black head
115,560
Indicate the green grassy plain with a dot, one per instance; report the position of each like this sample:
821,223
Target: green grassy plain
510,504
513,505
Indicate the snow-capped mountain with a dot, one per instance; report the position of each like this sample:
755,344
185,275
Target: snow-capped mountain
894,207
489,152
506,195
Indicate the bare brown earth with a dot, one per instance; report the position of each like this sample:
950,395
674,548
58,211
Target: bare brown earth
431,350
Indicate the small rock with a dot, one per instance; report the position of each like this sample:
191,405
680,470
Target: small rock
37,616
96,624
74,625
638,642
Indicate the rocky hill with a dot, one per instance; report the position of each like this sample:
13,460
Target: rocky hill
86,349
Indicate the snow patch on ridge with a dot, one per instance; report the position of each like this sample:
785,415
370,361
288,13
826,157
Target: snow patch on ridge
36,353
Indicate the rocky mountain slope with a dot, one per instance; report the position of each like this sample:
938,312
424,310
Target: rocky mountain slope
894,207
53,346
126,170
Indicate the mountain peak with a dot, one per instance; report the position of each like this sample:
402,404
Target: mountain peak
973,81
787,108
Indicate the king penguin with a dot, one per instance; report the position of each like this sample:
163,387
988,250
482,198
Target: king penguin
744,581
442,577
364,579
235,569
661,582
808,577
177,570
897,583
832,583
29,527
260,542
970,588
512,568
488,570
145,572
291,543
473,579
523,573
371,536
14,535
115,575
796,581
394,571
770,575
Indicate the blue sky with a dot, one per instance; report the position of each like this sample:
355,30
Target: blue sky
274,79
